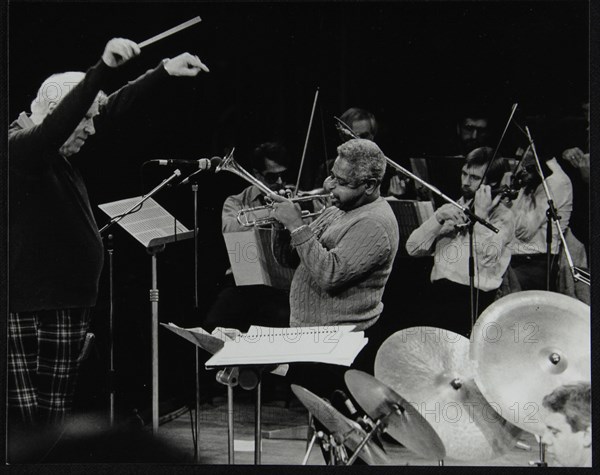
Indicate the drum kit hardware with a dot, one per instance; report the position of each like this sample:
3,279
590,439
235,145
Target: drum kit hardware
443,396
344,431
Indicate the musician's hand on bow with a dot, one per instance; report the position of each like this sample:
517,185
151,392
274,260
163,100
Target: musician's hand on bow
449,213
118,51
286,212
185,64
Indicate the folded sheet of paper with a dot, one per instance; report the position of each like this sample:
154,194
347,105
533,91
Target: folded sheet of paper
211,342
336,344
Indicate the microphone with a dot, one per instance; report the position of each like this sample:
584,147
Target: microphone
200,164
211,164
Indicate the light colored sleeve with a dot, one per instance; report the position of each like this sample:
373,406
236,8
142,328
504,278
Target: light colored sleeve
529,221
364,246
421,240
488,244
231,208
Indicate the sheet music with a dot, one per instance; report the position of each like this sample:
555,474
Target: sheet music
211,342
264,345
150,222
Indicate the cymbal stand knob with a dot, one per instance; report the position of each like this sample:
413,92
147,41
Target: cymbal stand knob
555,358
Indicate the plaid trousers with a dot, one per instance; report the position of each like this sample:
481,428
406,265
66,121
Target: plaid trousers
43,348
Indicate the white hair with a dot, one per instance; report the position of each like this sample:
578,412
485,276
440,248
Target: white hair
53,90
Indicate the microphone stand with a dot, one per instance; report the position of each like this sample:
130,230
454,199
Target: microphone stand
196,305
144,198
579,275
111,368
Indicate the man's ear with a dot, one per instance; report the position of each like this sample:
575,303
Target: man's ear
51,106
371,185
587,437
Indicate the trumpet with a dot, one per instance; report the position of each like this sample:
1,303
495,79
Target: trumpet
244,217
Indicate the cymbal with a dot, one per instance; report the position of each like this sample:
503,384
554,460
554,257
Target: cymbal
430,367
403,423
525,345
344,429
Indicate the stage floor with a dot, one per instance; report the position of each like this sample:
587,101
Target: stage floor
213,438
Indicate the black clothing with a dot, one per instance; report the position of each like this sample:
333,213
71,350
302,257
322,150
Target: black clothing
55,250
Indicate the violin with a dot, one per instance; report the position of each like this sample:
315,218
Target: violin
506,192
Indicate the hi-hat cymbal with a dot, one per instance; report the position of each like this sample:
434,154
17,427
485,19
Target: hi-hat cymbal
430,367
402,421
344,429
525,345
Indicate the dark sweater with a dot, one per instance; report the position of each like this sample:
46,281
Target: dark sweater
55,250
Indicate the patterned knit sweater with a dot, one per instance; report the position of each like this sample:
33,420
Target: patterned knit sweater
344,260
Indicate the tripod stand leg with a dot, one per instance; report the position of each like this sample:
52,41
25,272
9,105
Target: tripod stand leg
309,449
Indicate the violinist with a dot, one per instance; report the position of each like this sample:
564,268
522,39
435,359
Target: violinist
239,307
529,256
446,234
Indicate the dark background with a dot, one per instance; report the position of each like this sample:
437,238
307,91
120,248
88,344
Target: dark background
415,65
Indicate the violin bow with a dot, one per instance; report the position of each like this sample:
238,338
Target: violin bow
312,114
512,113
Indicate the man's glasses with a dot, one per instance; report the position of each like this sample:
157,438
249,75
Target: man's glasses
271,177
347,184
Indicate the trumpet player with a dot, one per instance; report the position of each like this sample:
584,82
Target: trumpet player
343,259
239,307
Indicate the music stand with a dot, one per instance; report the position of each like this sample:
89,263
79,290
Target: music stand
154,227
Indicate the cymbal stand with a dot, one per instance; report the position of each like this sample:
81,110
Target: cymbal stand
370,434
579,275
542,461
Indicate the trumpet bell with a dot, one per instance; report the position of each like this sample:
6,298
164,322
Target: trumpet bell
229,164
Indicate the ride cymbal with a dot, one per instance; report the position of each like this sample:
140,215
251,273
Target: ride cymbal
525,345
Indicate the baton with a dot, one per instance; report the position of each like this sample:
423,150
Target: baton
170,32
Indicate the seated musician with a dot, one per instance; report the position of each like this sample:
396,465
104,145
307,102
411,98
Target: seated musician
529,246
446,234
343,258
568,435
576,164
472,129
240,307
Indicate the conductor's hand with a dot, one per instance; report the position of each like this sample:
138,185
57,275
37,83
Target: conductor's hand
118,51
185,65
286,212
